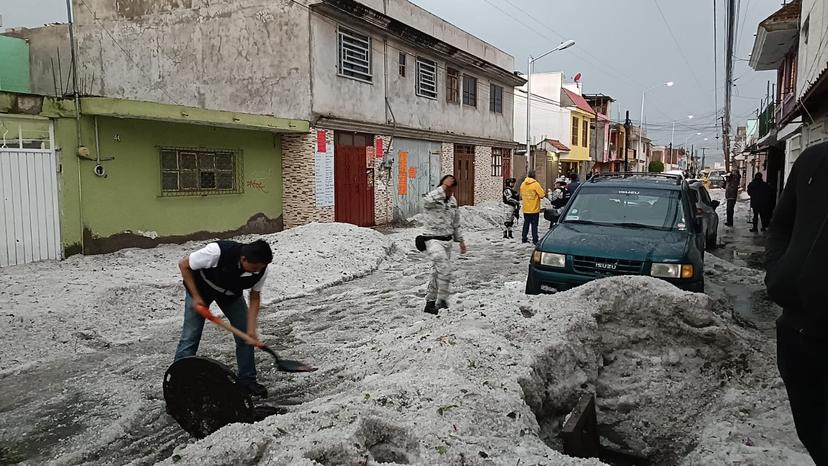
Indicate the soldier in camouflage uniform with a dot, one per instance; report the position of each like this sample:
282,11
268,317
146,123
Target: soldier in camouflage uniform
441,229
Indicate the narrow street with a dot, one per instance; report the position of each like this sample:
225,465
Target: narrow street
103,405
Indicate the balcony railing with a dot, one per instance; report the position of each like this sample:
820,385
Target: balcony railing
767,120
787,106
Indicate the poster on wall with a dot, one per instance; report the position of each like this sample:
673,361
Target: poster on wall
324,171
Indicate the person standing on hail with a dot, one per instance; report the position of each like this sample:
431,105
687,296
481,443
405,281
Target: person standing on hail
511,211
441,229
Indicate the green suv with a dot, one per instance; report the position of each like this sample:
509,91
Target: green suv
621,224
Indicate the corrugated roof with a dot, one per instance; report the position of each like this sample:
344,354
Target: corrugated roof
578,101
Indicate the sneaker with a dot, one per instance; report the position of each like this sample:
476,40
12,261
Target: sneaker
255,389
431,307
442,304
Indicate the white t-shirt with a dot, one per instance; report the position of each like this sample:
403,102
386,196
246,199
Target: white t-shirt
208,257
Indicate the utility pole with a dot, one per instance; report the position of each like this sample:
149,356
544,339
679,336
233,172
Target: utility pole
702,164
627,127
731,17
693,158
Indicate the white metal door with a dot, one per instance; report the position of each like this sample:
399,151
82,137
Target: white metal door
29,215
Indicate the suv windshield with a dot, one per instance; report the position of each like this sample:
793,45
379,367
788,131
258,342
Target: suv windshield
636,207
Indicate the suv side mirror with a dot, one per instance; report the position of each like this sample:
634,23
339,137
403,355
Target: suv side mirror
715,204
552,214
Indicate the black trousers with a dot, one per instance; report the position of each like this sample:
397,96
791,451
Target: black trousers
731,205
764,214
803,366
530,220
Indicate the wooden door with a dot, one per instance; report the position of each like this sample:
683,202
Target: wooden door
464,173
353,179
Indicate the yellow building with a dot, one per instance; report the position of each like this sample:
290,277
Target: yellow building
579,159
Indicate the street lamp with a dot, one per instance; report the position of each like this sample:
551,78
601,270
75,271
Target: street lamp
641,121
563,45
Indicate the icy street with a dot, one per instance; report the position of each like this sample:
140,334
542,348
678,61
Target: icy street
680,377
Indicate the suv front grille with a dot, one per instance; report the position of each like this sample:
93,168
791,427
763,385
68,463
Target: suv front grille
605,267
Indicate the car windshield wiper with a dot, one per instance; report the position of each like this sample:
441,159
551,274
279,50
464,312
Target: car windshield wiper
585,222
639,225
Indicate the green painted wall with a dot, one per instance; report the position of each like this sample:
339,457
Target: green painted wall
14,65
129,197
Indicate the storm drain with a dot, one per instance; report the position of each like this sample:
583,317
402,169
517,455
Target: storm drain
581,438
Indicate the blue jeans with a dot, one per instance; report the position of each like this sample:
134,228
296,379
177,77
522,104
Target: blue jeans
236,312
530,219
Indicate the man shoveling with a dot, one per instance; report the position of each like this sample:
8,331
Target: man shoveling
219,273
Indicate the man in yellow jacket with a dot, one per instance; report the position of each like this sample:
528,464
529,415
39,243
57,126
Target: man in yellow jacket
531,193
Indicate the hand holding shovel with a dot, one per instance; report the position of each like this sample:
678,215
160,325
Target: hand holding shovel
285,365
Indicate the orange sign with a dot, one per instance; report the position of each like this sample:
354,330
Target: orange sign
412,172
402,186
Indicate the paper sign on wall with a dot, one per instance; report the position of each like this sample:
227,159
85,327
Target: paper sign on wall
323,168
378,147
369,157
412,172
402,179
321,142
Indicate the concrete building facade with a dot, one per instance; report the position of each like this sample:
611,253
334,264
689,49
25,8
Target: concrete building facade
367,74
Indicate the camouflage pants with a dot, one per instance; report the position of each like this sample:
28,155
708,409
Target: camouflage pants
440,254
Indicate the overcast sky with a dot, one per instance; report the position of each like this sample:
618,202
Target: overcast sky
622,47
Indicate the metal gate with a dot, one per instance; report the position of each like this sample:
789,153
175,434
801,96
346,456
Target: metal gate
464,173
416,172
353,179
29,215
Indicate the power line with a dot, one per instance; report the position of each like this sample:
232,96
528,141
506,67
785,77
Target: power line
715,57
678,46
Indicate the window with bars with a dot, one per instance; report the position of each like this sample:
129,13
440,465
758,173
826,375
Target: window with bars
452,86
198,172
354,55
497,161
426,78
402,64
469,90
575,126
496,98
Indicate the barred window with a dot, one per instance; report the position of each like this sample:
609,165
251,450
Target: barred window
402,64
452,86
469,90
496,98
197,172
426,78
497,161
354,55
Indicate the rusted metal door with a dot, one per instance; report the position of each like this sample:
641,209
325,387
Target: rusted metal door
353,179
507,164
464,173
416,172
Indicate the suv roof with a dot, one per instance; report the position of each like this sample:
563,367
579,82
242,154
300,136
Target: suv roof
642,179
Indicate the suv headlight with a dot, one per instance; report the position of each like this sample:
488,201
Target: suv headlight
549,259
672,270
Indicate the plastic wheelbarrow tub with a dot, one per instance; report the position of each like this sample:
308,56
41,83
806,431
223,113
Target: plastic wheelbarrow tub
203,395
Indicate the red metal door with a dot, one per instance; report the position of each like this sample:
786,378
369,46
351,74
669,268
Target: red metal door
464,173
506,171
353,185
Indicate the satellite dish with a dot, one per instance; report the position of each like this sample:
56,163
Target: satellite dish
577,77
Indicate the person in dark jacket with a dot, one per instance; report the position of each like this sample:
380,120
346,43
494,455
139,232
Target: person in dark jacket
761,201
797,251
220,272
511,212
574,182
731,194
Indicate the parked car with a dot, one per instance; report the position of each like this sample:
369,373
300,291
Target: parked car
717,179
706,210
622,224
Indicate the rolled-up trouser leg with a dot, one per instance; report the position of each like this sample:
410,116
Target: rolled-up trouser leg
440,254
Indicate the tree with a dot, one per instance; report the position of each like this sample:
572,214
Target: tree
656,166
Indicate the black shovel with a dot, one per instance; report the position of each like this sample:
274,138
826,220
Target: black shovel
285,365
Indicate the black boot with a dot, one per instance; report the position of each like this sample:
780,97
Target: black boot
431,307
505,234
510,235
255,389
441,304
